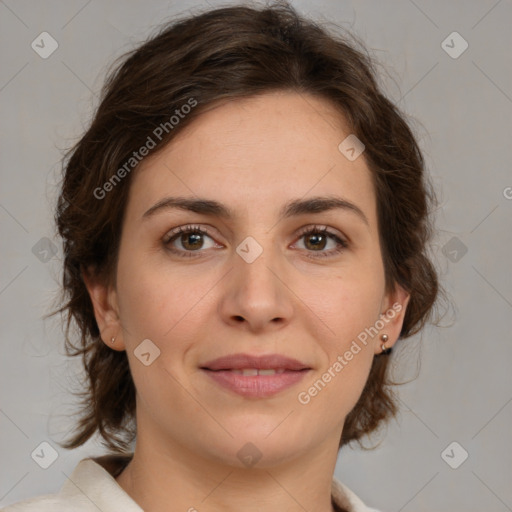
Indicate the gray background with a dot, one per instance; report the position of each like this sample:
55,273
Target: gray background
462,110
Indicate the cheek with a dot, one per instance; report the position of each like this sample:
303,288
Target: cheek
144,306
163,308
336,386
346,303
157,302
348,306
335,392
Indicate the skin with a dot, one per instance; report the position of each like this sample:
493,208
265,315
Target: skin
252,155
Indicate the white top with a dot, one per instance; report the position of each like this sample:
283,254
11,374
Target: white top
92,487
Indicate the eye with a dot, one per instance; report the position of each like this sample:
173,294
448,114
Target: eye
186,240
316,239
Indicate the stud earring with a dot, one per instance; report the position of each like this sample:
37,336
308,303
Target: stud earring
113,340
385,350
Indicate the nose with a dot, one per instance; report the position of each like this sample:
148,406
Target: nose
256,295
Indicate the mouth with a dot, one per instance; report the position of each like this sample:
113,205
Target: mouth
255,376
251,372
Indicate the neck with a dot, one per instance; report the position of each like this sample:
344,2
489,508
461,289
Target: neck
191,482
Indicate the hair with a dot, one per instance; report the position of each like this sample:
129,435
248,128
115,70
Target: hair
227,54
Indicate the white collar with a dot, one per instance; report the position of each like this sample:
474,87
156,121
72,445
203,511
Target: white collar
92,486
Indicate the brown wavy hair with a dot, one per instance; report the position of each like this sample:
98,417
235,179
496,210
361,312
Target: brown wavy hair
225,54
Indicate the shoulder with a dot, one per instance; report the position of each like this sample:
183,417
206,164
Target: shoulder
46,503
91,487
347,499
51,503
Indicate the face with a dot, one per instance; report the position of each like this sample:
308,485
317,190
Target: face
281,275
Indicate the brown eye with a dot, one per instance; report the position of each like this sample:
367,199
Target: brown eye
191,241
186,240
316,241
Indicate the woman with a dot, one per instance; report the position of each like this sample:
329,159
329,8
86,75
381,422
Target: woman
245,228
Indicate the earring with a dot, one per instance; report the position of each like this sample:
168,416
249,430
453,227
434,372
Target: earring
113,340
385,350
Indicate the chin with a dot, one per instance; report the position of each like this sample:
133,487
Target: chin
262,443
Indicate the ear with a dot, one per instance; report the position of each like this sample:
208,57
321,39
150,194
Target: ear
394,306
104,300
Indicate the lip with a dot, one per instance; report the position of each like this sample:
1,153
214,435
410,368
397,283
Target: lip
256,386
263,362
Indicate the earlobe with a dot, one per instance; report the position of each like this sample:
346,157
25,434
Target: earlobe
104,301
392,319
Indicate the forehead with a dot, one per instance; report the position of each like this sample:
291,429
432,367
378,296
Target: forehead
256,154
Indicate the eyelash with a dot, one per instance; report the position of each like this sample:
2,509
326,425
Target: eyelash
189,229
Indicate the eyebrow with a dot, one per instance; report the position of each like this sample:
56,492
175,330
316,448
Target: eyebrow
293,208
